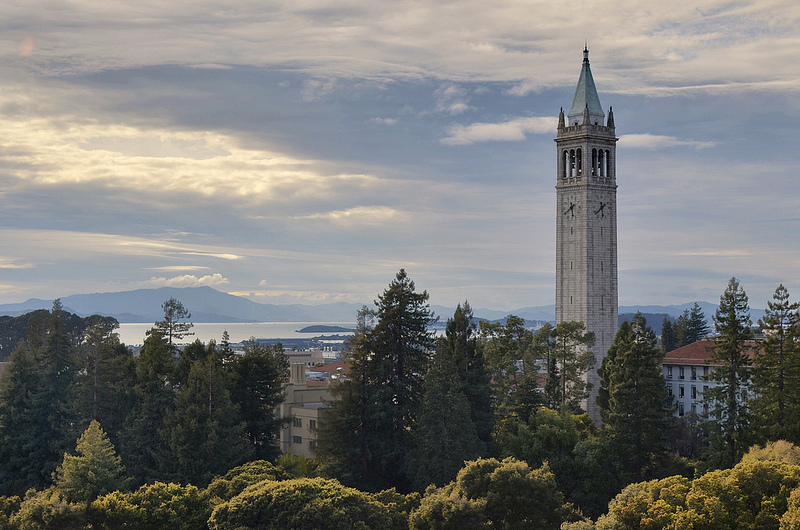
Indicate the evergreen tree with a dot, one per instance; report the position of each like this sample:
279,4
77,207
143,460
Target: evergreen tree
680,329
446,435
141,446
728,399
204,432
105,382
470,368
37,416
573,358
633,395
378,404
95,471
776,373
669,340
696,325
511,359
172,328
257,377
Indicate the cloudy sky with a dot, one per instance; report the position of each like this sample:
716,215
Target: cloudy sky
305,151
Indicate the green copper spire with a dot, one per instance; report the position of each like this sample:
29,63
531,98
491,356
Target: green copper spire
586,97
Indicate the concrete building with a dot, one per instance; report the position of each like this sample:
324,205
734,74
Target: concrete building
686,371
303,402
586,221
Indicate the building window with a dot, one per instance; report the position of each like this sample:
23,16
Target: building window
669,391
705,409
705,371
669,372
680,409
312,424
680,372
694,392
298,440
694,373
680,391
297,422
705,389
694,409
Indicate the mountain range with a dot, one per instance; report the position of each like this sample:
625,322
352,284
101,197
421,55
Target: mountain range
209,305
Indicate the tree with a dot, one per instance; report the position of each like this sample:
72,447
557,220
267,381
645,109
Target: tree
488,493
573,358
94,471
303,503
776,371
379,402
633,395
105,382
446,436
37,416
257,377
204,431
172,327
669,340
511,361
696,325
728,398
141,446
470,368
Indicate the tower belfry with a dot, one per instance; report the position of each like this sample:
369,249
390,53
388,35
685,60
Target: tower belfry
586,222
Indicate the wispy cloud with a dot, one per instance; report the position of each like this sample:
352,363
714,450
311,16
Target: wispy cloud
186,280
509,131
655,141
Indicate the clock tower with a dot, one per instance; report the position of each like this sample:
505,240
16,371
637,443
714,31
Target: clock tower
586,222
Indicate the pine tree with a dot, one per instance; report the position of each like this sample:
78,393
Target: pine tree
669,340
633,396
257,377
95,471
172,328
37,416
728,398
776,372
470,368
573,358
204,432
446,435
696,325
378,405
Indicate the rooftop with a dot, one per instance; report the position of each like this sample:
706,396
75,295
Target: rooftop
700,353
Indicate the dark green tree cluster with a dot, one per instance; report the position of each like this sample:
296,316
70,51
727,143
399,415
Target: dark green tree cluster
367,435
690,327
183,414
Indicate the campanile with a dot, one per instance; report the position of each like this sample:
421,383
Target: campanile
586,222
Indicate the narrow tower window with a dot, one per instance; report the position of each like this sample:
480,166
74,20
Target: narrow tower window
580,162
601,163
594,162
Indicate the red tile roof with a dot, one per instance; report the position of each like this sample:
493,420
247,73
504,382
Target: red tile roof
332,367
700,353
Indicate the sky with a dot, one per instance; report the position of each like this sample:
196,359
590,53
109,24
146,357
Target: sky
305,151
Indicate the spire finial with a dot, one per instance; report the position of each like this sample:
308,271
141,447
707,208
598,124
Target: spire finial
586,50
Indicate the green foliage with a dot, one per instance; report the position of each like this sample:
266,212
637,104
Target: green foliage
493,494
172,327
632,397
669,340
235,481
779,451
776,371
95,471
48,510
446,436
571,358
752,495
298,466
461,346
728,399
303,503
257,377
170,506
37,419
366,435
203,431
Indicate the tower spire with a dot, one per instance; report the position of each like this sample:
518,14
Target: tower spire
586,96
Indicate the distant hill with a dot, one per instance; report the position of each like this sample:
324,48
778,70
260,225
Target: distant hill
209,305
